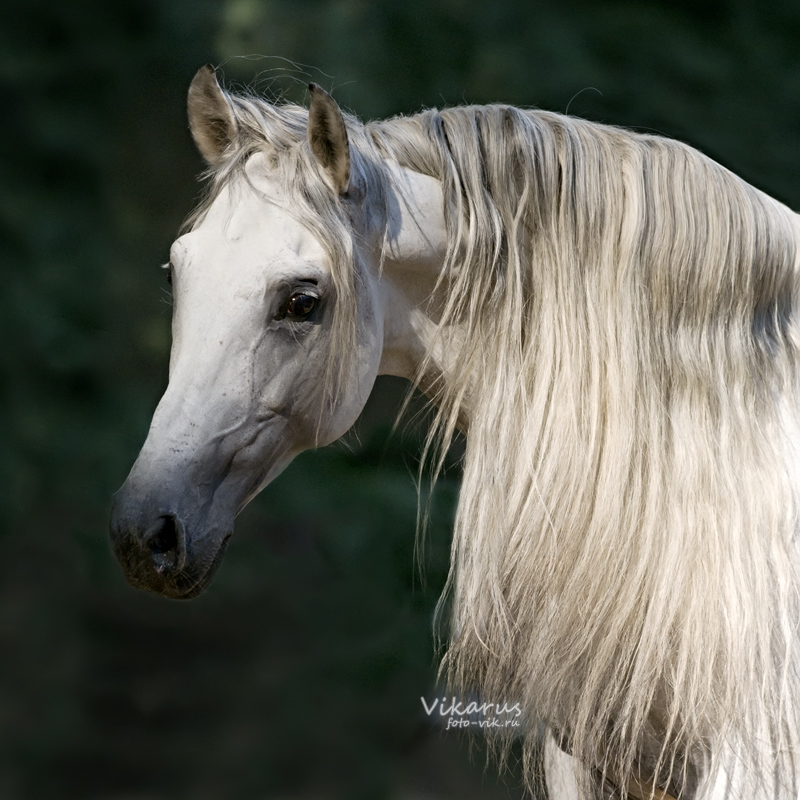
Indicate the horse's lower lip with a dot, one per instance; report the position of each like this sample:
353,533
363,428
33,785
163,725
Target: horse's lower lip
175,587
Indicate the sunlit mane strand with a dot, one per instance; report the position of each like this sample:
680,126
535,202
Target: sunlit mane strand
623,314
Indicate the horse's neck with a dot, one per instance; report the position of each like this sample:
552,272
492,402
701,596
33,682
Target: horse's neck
413,259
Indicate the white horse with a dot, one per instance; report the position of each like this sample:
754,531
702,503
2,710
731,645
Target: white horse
611,318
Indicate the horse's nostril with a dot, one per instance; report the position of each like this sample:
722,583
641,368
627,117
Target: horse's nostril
165,543
163,536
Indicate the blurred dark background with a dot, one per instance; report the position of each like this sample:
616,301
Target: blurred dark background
299,673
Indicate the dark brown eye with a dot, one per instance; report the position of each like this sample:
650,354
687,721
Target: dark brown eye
300,305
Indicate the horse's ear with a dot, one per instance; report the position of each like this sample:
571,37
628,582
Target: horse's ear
210,119
327,136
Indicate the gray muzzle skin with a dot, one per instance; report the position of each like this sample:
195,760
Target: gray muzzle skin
173,516
162,545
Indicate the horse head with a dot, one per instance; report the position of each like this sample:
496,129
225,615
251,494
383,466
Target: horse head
276,342
614,319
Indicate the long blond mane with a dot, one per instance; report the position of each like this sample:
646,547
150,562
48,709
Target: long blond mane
624,557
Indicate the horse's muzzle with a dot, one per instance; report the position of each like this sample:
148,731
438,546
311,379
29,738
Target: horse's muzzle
162,551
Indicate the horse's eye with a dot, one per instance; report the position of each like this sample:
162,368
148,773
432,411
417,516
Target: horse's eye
300,305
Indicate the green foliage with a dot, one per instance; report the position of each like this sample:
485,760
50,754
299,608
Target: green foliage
299,673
